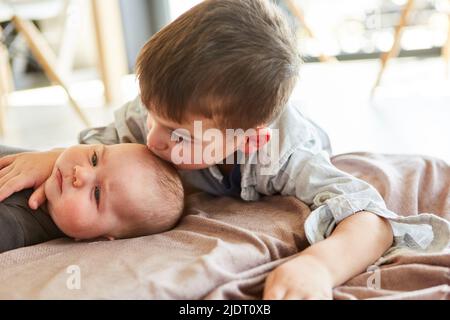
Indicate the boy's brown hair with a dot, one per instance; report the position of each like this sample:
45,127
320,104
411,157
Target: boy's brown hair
232,61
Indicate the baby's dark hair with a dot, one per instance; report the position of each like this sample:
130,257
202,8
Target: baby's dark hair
233,61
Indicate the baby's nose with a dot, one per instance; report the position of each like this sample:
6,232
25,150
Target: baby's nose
81,176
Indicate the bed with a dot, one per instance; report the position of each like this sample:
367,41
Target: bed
224,248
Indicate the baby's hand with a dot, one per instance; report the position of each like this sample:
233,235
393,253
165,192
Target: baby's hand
27,170
300,278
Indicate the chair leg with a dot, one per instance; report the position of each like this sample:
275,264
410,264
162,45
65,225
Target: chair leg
298,13
5,69
446,50
46,58
68,37
6,83
386,56
2,112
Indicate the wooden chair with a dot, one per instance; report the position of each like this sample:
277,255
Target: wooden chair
6,83
21,13
446,49
295,9
393,52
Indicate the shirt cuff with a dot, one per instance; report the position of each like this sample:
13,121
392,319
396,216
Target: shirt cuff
420,233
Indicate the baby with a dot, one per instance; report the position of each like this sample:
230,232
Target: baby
116,191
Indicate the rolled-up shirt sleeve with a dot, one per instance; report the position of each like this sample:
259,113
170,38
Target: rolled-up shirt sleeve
334,195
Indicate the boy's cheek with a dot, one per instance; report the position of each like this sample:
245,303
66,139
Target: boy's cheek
146,142
149,123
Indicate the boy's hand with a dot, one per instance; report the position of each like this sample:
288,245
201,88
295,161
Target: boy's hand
27,170
300,278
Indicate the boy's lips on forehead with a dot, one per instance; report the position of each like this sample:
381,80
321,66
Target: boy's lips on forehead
157,153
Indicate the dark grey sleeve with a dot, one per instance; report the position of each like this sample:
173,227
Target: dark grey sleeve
21,226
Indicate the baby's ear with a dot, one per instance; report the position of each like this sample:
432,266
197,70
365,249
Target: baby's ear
257,140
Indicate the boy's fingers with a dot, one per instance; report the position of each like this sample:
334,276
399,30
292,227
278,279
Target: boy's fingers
4,181
13,185
272,292
6,161
6,178
37,198
5,171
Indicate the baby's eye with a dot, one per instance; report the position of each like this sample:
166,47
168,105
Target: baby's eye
94,159
97,195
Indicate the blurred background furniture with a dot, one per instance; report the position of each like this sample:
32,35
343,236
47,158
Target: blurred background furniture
111,55
446,49
111,59
47,59
6,81
393,52
297,12
386,56
21,13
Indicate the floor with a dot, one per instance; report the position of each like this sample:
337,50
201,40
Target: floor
409,113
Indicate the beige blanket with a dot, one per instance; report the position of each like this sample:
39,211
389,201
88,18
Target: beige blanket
224,248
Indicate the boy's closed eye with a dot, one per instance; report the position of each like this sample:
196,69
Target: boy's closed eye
177,133
180,136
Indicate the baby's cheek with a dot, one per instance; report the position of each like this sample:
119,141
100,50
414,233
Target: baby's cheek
72,219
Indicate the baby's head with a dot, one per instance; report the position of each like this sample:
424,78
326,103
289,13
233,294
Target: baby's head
116,191
231,64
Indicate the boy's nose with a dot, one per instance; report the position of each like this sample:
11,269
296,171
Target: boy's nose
81,176
156,142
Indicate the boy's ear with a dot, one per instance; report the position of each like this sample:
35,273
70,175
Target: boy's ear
256,141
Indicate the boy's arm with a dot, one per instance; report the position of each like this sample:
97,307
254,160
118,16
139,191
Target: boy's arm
27,170
356,243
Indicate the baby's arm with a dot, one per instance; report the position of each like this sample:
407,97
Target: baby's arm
356,243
